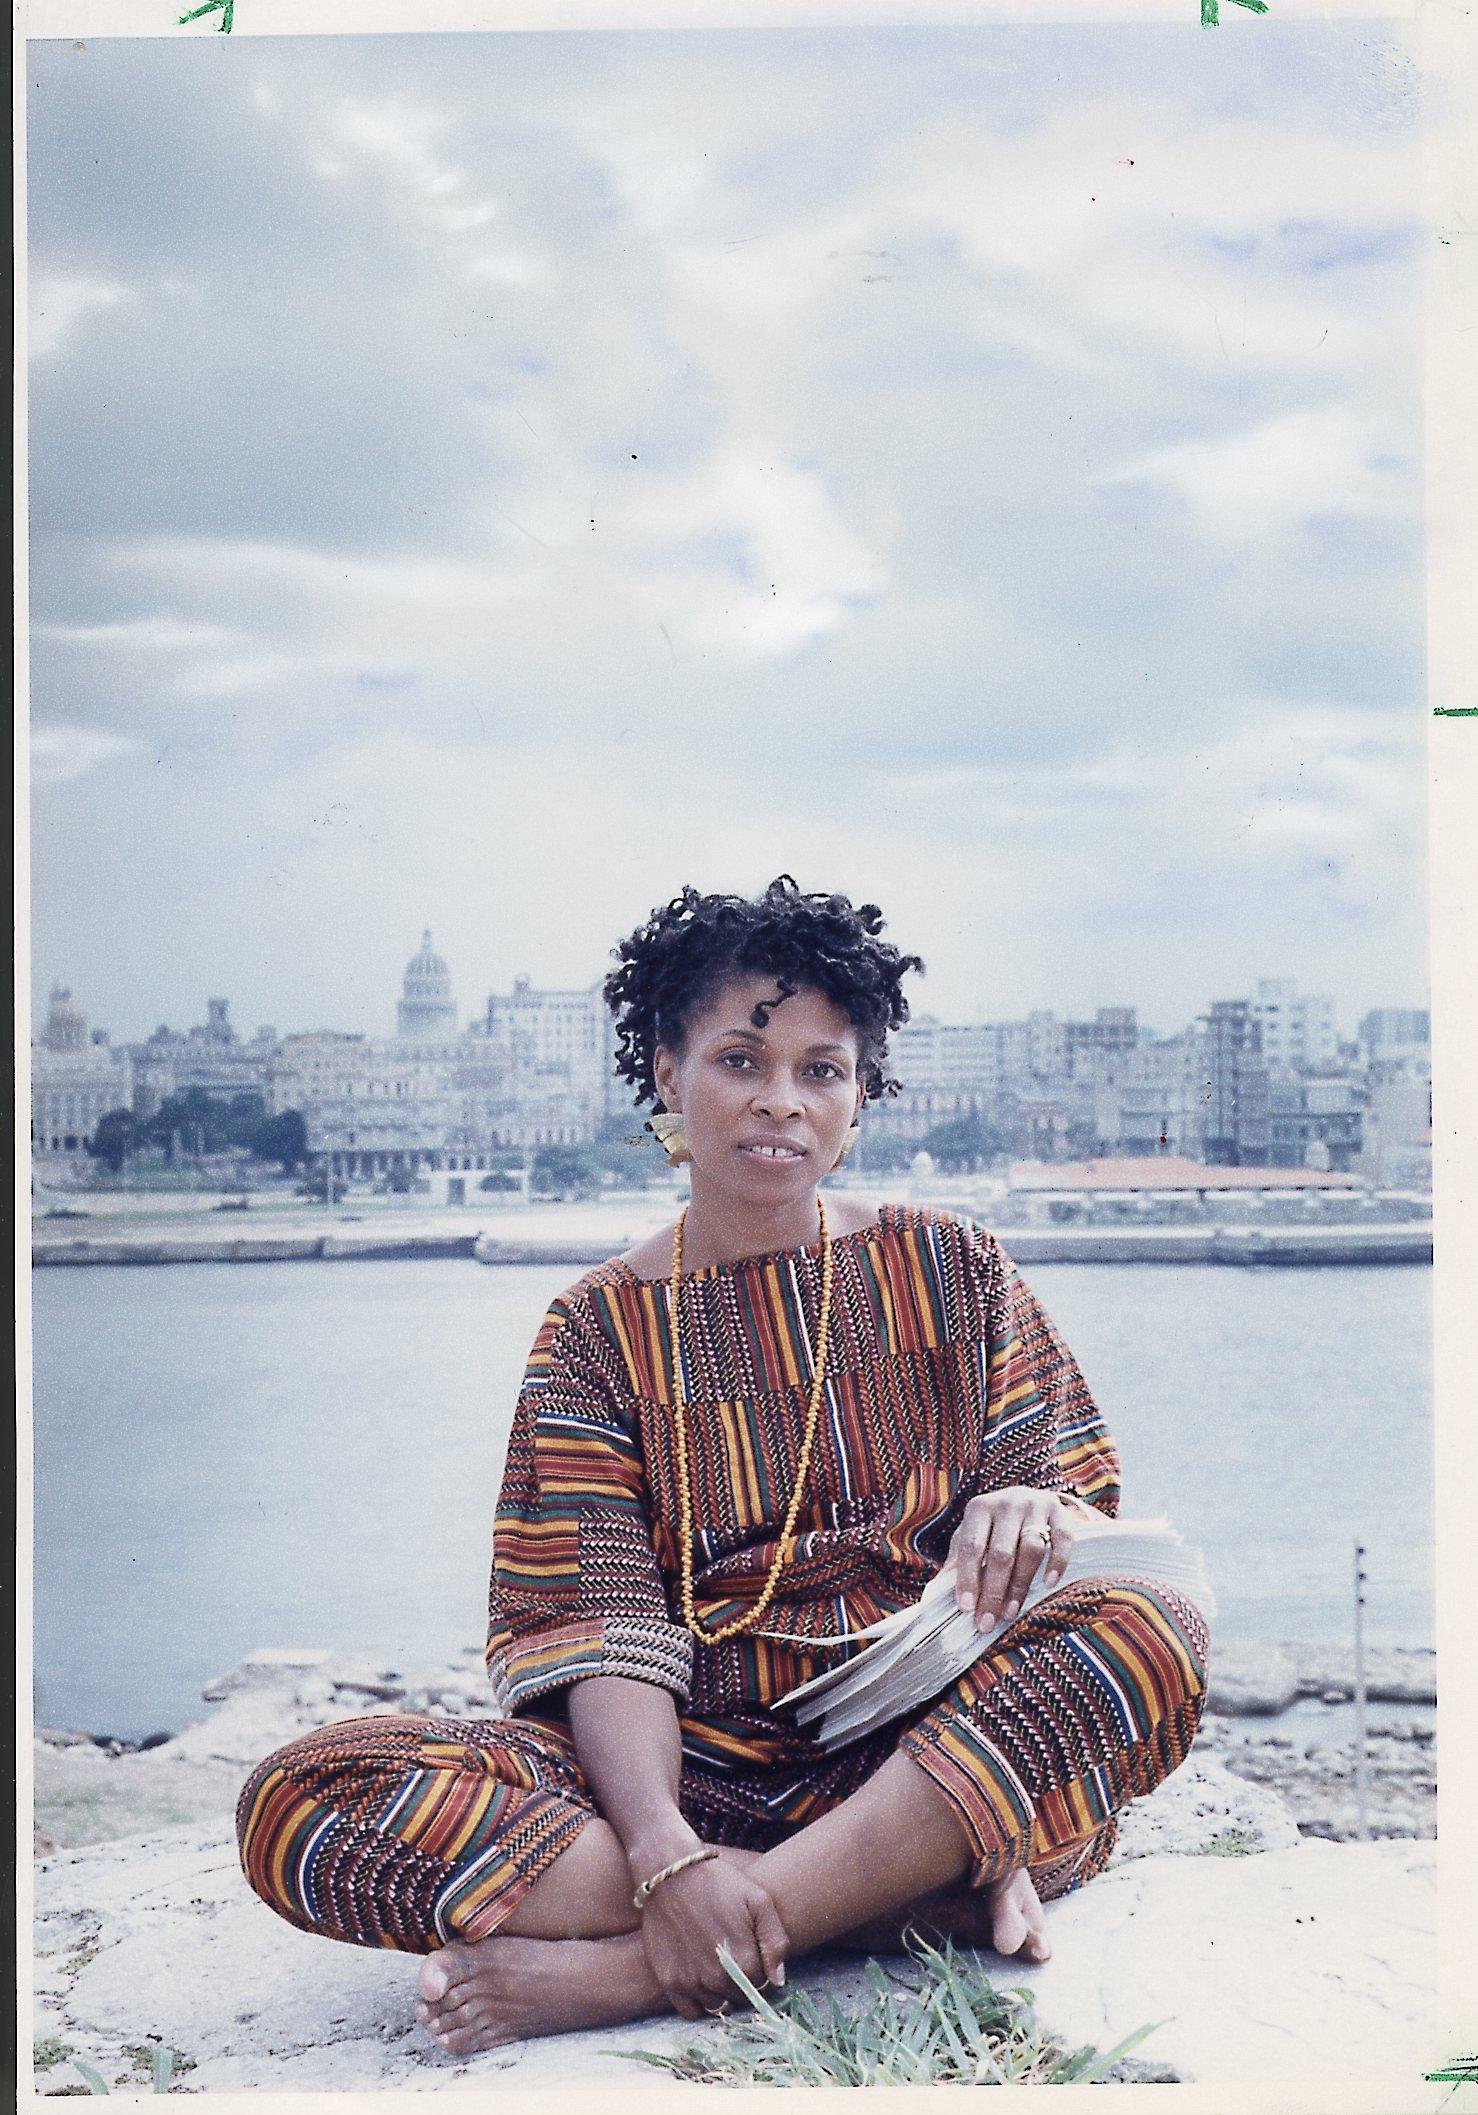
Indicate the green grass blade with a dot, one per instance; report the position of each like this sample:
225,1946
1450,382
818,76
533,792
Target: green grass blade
736,1974
1120,2050
95,2082
161,2063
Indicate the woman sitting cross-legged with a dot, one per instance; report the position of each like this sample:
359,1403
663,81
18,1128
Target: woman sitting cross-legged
754,1433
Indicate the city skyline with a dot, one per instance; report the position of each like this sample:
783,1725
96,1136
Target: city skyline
497,480
245,1022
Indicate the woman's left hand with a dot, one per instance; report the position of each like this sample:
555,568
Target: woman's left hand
999,1543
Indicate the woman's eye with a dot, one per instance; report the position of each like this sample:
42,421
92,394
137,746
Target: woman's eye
822,1070
734,1059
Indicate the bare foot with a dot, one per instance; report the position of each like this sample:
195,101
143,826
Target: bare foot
1017,1924
507,1989
1006,1917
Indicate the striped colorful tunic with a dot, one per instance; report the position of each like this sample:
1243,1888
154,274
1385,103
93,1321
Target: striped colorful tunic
944,1379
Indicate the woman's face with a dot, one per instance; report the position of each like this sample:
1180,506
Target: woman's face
764,1110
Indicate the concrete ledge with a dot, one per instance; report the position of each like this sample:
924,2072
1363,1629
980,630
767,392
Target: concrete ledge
1316,1962
1253,1247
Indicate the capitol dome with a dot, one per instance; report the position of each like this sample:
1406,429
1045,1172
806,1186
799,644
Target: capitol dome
427,1006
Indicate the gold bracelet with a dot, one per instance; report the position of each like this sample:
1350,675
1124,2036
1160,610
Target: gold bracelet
649,1887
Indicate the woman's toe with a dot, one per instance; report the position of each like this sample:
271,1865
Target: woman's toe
470,2038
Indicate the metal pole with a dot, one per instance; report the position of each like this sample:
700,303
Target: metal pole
1362,1764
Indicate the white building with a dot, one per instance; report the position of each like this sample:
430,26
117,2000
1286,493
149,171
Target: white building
76,1080
1396,1035
431,1099
559,1048
1397,1146
370,1104
210,1056
1298,1030
1159,1105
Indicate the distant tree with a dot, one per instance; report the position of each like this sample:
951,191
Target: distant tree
283,1138
318,1184
118,1134
564,1171
965,1143
880,1154
401,1179
500,1179
195,1122
628,1151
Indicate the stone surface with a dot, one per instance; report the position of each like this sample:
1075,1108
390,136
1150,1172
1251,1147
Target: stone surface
147,1933
1307,1758
1251,1680
1311,1961
1395,1674
1205,1810
1318,1962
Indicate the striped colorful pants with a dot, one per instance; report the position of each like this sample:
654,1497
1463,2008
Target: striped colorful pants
409,1832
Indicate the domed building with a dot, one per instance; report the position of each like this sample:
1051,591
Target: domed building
77,1078
427,1007
66,1024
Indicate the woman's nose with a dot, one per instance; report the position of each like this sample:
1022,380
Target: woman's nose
775,1099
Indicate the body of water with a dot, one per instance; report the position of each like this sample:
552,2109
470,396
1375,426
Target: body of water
230,1456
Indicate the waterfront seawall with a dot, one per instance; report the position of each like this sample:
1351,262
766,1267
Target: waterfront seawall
1280,1246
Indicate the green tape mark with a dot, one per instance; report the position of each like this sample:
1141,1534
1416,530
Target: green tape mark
1210,12
1462,2071
1455,712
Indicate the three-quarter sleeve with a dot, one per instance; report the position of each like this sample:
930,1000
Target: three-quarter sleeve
576,1588
1042,1426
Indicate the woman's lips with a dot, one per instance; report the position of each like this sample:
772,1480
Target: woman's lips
773,1150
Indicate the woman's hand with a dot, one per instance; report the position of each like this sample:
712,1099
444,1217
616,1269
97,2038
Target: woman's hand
999,1544
694,1914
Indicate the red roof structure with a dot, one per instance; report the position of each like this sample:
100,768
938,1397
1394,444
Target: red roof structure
1161,1172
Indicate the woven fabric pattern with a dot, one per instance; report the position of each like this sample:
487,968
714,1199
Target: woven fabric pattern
408,1832
944,1379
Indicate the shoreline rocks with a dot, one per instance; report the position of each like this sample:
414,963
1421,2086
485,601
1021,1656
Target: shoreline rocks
1252,1681
1217,1907
1266,1727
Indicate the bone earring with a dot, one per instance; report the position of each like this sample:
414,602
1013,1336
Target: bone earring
667,1128
847,1144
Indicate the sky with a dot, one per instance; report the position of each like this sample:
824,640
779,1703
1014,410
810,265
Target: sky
485,482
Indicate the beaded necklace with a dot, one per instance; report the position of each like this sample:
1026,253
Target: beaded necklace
813,1412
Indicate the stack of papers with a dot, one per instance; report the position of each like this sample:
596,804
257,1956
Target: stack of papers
912,1656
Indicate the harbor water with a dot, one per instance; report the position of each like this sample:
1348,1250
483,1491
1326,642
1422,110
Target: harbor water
308,1454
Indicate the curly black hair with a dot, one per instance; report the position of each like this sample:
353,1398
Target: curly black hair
671,964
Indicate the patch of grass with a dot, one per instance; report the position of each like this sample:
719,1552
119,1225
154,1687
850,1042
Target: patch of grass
158,2061
1231,1843
48,2051
154,2059
941,2023
82,1959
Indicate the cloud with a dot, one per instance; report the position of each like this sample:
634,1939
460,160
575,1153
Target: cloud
1268,479
59,306
155,635
60,753
875,455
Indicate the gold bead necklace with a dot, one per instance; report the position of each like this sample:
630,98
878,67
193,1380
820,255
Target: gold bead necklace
679,1419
